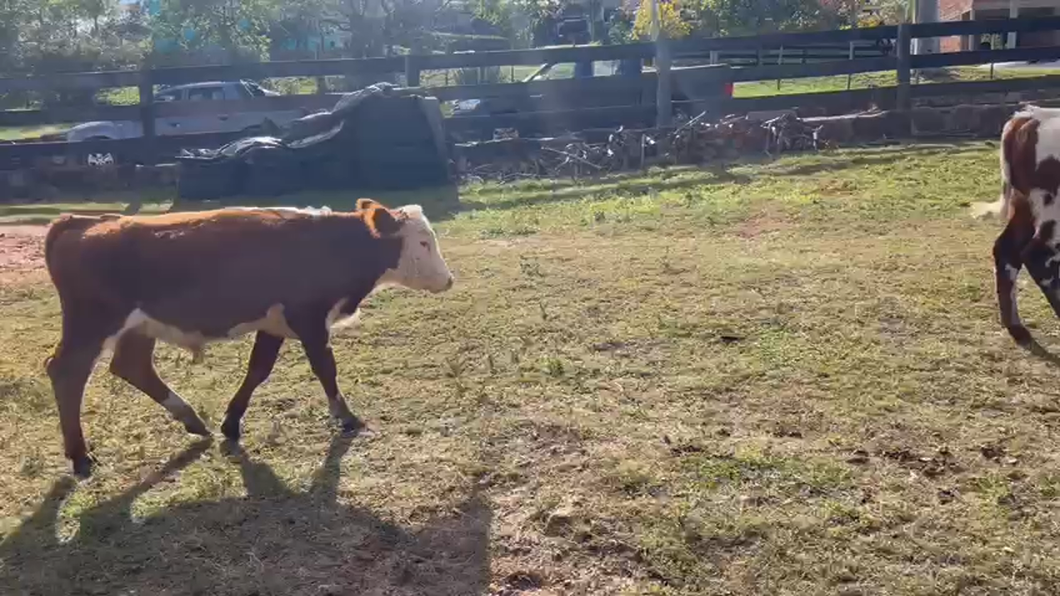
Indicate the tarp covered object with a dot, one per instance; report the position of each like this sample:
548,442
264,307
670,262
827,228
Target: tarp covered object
372,139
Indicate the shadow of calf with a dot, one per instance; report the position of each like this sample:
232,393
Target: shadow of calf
273,541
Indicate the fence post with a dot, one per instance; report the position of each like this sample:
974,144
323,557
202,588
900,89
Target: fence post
903,100
780,62
850,56
664,108
412,71
147,114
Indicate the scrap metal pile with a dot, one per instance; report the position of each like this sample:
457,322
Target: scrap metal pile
693,141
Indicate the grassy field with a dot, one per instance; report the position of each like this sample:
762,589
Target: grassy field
868,80
775,378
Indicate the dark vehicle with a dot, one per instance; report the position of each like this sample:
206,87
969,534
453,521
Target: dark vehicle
692,89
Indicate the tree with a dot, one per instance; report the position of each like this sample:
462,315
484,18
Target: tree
673,21
13,15
299,21
524,22
884,12
358,20
238,28
752,17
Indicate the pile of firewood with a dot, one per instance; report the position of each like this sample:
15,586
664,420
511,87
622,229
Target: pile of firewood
693,141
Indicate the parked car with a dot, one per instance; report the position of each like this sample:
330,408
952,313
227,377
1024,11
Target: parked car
686,88
241,120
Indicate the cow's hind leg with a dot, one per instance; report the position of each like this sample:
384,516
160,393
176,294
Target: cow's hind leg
315,340
1008,261
262,360
1043,261
69,369
133,362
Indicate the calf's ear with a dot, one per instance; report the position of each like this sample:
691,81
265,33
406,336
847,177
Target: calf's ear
381,222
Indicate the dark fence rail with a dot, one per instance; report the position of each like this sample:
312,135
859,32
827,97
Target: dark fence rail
766,57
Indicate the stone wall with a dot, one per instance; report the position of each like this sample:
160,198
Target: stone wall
974,121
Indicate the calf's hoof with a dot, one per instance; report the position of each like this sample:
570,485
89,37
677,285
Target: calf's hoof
197,427
1021,335
83,466
230,429
353,426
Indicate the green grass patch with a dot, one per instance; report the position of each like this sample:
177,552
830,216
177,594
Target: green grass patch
869,80
768,377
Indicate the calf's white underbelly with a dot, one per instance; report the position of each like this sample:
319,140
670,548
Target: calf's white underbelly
274,323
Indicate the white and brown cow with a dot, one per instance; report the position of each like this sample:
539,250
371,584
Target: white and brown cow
192,278
1030,177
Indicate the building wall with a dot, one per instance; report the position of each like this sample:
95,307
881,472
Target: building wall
954,10
957,10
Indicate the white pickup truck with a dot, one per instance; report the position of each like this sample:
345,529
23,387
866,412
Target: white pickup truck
250,122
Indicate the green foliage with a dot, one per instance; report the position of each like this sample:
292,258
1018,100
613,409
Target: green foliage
620,28
236,27
885,12
674,22
749,17
518,19
66,35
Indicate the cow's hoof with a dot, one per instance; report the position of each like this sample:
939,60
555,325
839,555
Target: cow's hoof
83,466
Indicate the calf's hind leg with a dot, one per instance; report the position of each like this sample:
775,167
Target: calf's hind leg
1042,262
69,369
1008,261
133,363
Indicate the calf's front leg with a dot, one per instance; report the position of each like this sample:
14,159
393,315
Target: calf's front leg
316,338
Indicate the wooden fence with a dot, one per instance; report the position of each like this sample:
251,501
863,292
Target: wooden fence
765,57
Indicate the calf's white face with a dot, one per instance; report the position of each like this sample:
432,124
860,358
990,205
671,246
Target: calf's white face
421,266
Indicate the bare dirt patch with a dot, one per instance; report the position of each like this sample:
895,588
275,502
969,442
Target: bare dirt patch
21,252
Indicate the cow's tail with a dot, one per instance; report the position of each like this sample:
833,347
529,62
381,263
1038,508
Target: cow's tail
1008,138
61,225
1003,205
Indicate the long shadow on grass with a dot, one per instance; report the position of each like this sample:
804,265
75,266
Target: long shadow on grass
273,541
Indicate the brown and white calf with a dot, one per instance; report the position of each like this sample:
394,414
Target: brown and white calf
192,278
1030,177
